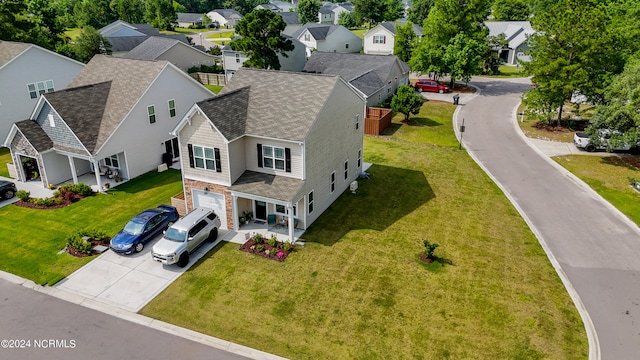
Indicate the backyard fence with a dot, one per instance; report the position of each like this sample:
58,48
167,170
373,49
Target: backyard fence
209,78
377,120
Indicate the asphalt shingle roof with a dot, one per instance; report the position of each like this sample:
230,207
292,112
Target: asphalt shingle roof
289,17
128,79
268,114
229,111
10,49
228,13
151,48
189,17
318,31
270,186
391,26
35,135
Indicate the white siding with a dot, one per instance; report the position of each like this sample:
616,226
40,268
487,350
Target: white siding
251,156
337,41
378,49
184,57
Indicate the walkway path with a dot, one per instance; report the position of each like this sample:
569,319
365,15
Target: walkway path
595,249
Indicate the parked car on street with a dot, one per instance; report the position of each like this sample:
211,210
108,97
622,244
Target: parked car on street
143,228
7,189
430,86
582,141
185,236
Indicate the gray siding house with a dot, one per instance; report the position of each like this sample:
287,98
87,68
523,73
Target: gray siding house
328,37
26,72
176,52
243,150
117,114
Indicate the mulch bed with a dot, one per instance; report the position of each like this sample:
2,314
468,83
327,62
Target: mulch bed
76,253
576,125
246,247
65,202
423,257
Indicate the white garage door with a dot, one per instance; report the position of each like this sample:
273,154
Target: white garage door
211,201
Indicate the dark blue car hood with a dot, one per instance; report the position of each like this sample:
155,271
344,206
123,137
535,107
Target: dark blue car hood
124,238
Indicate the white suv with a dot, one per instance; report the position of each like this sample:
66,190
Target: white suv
183,237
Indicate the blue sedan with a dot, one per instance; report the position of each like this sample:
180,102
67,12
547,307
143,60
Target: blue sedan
143,228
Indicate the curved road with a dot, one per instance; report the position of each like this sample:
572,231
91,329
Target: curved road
595,249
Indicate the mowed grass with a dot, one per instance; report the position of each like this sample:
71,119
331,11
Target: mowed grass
608,176
32,238
214,88
5,158
357,289
222,35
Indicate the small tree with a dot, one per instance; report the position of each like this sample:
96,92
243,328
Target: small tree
347,20
206,20
429,248
406,101
308,11
90,43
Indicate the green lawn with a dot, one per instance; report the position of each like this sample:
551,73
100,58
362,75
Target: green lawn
357,290
72,33
215,88
222,35
5,158
32,238
359,32
608,176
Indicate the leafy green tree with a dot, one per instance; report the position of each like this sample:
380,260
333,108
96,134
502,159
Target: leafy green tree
308,11
160,14
404,41
261,39
511,10
392,10
347,20
376,11
241,6
90,43
131,11
464,57
94,13
406,101
206,20
177,7
622,109
492,57
419,11
14,23
536,6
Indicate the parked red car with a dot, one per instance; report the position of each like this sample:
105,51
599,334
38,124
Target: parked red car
431,86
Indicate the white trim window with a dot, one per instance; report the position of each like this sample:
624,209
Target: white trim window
151,111
237,57
379,39
307,37
357,121
333,182
172,108
112,161
346,169
273,157
41,87
310,202
204,158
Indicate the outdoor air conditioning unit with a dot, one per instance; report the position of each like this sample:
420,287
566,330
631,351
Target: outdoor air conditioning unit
353,186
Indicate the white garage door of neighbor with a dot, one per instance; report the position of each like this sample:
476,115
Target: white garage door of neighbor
211,201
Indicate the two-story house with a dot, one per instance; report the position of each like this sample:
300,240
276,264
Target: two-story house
116,114
124,36
176,52
26,72
326,15
273,143
329,38
227,18
517,34
380,39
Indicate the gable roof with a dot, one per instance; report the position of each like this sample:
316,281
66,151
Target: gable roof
189,17
34,134
367,73
391,26
266,114
227,13
153,47
118,84
289,17
318,31
10,50
325,10
500,27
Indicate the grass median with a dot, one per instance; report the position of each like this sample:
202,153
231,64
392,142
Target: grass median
357,289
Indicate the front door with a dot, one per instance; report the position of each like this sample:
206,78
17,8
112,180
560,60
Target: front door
261,210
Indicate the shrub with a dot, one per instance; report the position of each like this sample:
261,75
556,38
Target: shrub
287,246
272,241
260,248
95,234
259,239
44,201
76,241
23,195
429,248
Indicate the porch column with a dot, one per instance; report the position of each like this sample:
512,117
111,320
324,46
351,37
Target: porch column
234,211
96,169
291,222
74,175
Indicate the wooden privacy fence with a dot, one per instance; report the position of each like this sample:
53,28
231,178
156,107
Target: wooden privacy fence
209,78
377,120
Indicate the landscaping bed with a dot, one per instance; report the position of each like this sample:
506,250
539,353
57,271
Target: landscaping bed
267,248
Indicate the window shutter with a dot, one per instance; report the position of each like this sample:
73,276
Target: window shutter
287,159
216,154
260,155
384,39
191,162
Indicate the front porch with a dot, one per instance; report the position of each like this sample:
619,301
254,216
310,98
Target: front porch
245,231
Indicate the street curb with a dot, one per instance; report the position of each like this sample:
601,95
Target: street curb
594,344
142,320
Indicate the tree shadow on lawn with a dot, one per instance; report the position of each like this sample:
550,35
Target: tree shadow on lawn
390,194
629,161
149,181
422,121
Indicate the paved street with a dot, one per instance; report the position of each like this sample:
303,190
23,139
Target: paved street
595,249
49,328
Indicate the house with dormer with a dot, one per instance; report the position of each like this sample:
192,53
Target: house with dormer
116,115
247,151
26,72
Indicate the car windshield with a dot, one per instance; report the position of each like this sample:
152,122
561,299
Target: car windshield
134,228
175,235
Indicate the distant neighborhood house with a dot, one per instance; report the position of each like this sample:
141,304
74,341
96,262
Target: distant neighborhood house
517,34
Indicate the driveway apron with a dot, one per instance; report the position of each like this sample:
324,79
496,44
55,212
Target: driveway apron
595,248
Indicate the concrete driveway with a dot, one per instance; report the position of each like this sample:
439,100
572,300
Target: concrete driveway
594,248
128,282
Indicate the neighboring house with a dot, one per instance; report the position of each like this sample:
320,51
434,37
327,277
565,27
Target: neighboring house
340,8
26,72
186,20
124,36
329,38
376,77
178,53
326,15
225,17
267,6
291,19
116,113
232,60
381,38
517,34
248,150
